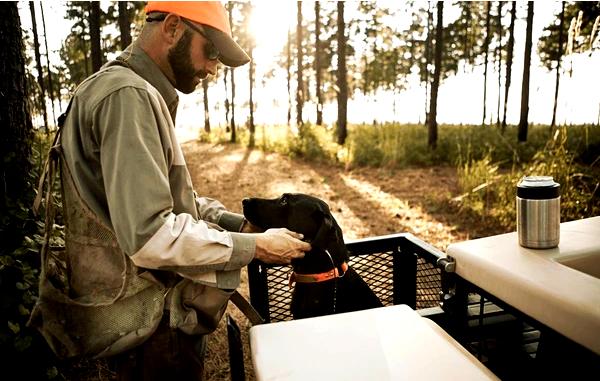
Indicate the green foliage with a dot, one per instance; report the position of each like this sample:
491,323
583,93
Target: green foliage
489,164
76,47
396,146
581,36
491,194
19,272
314,143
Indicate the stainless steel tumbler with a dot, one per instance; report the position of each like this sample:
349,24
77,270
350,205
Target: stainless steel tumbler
538,212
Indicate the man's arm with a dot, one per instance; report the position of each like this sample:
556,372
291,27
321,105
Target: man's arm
135,168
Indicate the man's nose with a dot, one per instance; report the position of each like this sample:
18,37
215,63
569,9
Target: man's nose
211,67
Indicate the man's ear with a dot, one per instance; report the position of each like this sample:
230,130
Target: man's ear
170,28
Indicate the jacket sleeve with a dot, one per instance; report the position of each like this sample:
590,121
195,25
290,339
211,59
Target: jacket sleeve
136,157
212,210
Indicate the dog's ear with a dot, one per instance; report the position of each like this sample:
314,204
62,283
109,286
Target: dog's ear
324,233
330,237
335,243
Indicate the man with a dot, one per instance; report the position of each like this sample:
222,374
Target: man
151,265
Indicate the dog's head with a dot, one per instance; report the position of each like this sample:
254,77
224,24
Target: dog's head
301,213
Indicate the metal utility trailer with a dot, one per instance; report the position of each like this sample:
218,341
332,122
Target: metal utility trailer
402,269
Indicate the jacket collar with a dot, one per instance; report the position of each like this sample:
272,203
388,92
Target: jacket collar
143,66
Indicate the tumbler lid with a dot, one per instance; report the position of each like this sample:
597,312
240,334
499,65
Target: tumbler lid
538,188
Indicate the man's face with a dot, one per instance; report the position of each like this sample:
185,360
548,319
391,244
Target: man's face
187,76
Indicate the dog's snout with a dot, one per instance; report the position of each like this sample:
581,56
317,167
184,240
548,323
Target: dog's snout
245,201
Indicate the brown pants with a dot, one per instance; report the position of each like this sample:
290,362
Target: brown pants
168,354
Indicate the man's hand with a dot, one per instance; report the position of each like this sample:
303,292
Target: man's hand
280,246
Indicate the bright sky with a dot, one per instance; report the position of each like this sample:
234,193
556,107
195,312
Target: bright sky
460,96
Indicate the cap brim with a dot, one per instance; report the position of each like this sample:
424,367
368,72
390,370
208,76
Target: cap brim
231,53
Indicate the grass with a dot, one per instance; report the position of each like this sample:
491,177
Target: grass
401,145
489,163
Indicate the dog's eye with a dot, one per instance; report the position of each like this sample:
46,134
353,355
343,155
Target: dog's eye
283,201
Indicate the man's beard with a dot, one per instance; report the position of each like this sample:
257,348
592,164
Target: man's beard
181,64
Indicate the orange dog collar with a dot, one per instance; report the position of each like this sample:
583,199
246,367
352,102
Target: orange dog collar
320,277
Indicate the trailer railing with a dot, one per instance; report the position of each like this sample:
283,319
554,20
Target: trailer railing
399,268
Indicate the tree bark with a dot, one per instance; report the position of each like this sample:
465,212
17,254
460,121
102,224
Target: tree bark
50,86
38,61
523,122
206,113
225,73
251,78
96,49
231,70
509,59
558,61
16,134
499,60
342,96
289,76
427,61
439,47
299,57
124,25
486,46
318,63
232,106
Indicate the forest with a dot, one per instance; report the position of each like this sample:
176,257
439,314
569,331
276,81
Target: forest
354,86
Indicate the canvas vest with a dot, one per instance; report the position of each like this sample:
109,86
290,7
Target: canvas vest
92,300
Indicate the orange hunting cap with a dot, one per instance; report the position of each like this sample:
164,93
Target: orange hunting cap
213,18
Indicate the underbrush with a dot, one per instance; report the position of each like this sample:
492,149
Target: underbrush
490,191
489,163
24,351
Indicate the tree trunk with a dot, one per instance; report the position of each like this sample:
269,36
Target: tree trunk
486,46
96,49
342,96
318,63
16,134
232,105
499,61
289,76
299,57
231,70
509,59
558,61
251,78
468,31
206,114
124,25
50,86
523,122
38,60
439,47
226,103
428,60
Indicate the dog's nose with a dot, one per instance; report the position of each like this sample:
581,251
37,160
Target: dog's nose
245,201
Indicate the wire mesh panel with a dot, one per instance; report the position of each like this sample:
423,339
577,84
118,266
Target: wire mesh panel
280,293
376,270
428,284
376,260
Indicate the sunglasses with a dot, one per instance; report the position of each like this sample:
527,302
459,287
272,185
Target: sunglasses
210,50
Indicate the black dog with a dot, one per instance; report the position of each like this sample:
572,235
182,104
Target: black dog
324,282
